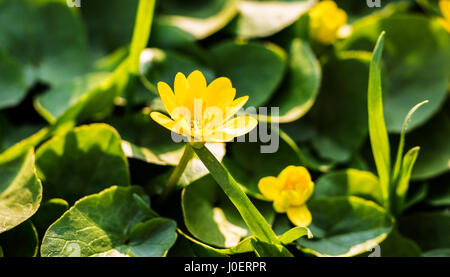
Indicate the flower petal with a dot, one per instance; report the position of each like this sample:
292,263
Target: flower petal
281,203
181,127
197,85
299,215
220,92
270,187
181,87
235,106
235,127
167,96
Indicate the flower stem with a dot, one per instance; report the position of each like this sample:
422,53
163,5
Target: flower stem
252,217
172,183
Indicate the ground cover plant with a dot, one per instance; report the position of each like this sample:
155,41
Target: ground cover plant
217,128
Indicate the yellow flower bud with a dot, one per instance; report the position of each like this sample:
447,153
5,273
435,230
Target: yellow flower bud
325,21
289,193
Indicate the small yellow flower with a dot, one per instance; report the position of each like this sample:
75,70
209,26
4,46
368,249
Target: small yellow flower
444,5
325,21
203,112
289,193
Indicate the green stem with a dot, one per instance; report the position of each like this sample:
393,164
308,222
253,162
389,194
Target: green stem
174,178
252,217
139,41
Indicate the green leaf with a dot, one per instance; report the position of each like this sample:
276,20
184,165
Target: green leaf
298,92
435,146
81,162
440,252
20,190
93,104
109,30
396,245
12,81
211,217
49,40
413,72
345,226
256,69
338,118
200,18
377,128
349,182
256,223
264,249
141,33
428,229
22,241
265,18
48,213
398,161
294,234
438,192
402,185
110,223
55,102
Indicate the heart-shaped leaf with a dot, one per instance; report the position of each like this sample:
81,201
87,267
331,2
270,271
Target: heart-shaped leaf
12,81
434,157
345,226
81,162
349,182
48,40
265,18
20,190
256,69
113,222
298,92
200,18
339,116
414,71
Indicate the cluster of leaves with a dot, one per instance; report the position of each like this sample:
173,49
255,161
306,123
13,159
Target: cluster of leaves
80,158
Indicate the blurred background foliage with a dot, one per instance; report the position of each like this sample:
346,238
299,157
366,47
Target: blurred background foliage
63,67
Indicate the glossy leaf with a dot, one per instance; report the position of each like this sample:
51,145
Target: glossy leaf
424,66
345,226
255,69
265,18
20,190
200,18
12,81
81,162
110,223
298,92
349,182
338,118
47,39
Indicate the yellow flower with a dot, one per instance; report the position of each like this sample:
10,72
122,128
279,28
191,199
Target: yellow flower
203,112
444,5
325,21
289,193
